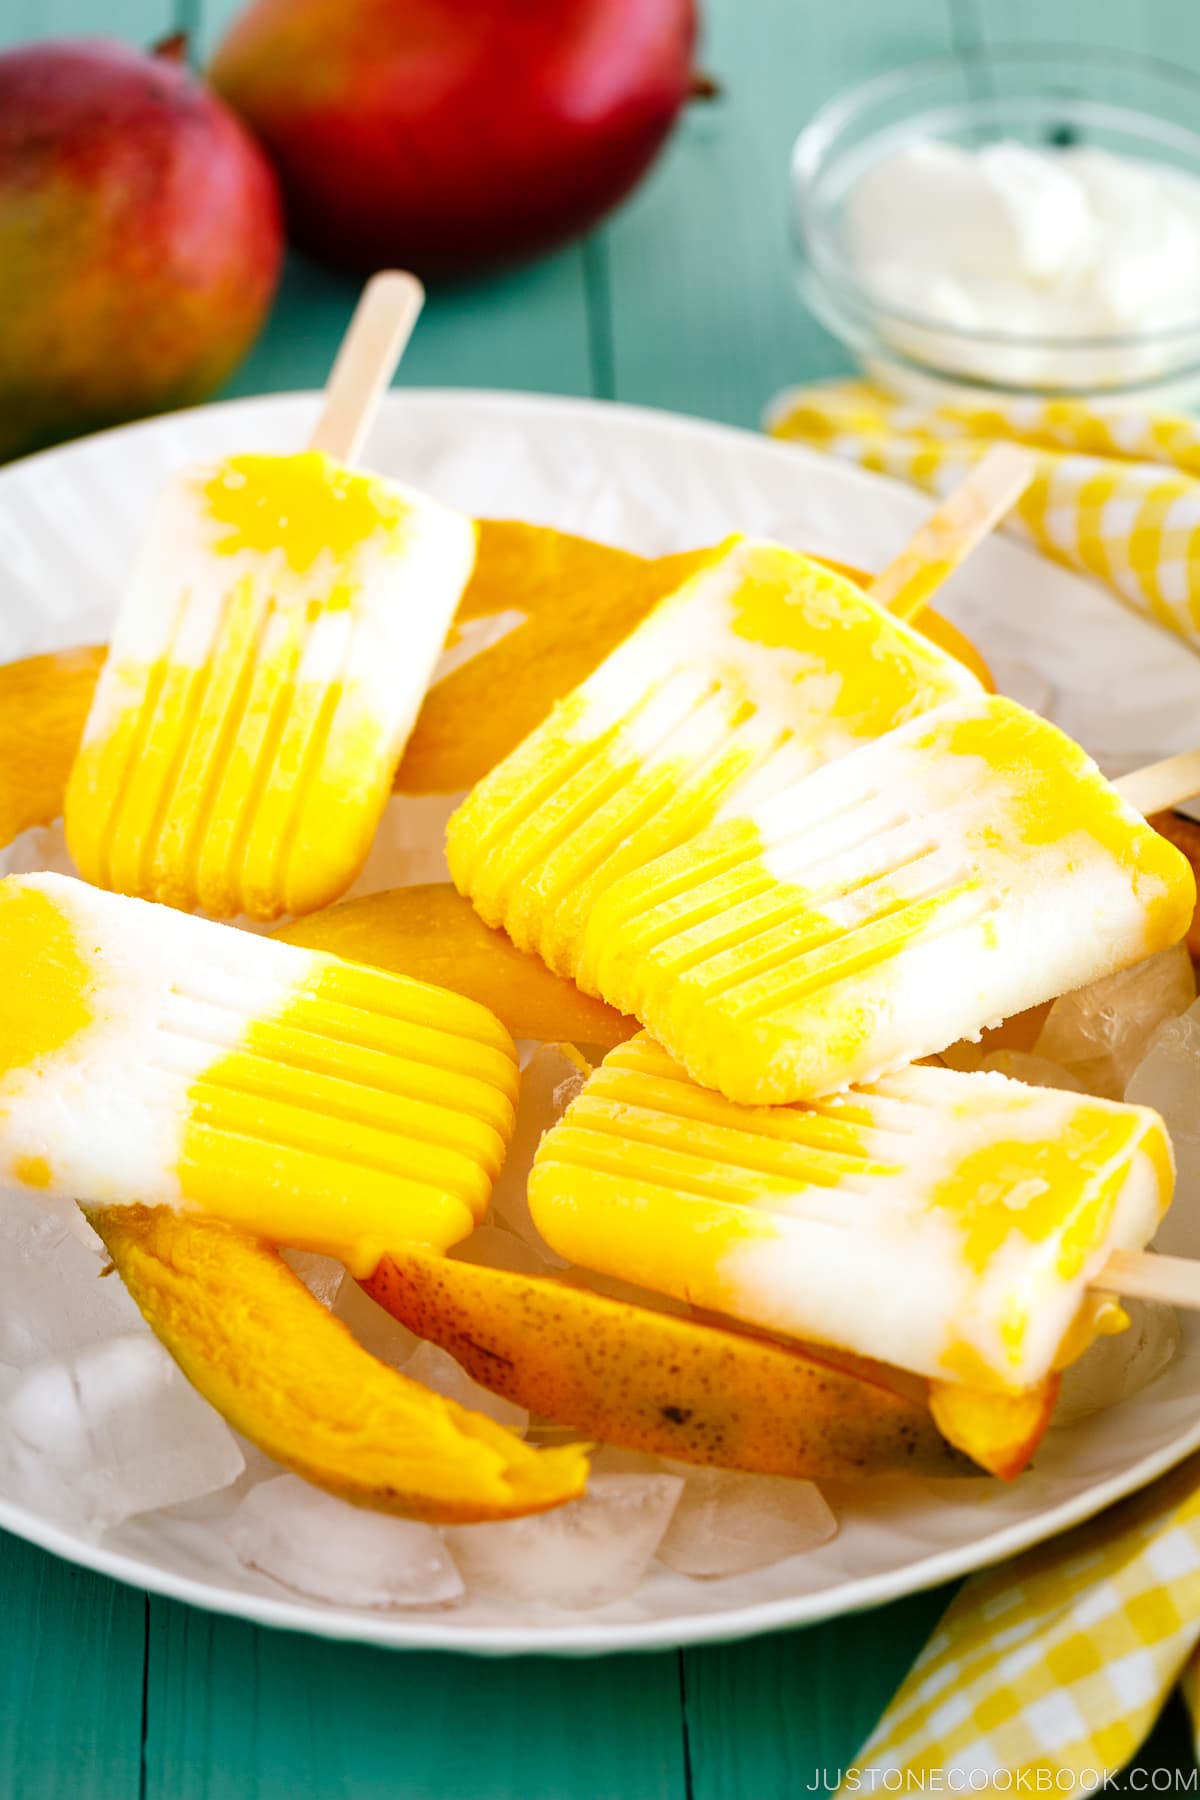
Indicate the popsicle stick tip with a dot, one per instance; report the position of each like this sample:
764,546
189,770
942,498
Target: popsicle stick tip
1161,785
959,524
400,286
1006,465
375,340
1142,1275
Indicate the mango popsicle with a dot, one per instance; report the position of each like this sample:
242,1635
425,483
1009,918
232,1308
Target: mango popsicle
972,863
147,1057
760,666
266,670
946,1224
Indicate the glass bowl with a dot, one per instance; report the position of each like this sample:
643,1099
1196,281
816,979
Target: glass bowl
1034,95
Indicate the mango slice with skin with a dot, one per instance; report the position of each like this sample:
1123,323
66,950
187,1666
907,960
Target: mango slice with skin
651,1381
998,1431
435,935
577,599
252,1339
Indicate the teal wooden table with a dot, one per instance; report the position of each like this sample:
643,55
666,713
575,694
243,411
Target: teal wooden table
684,301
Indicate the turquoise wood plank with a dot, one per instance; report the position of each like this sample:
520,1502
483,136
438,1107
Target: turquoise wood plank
137,21
782,1717
71,1660
235,1713
214,19
1167,28
527,330
705,317
777,1717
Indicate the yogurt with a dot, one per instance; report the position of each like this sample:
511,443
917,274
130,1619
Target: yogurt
1054,246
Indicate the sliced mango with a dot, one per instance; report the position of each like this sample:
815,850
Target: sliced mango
655,1382
998,1431
435,935
43,705
252,1339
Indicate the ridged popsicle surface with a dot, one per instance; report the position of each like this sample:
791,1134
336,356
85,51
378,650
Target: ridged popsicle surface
944,1223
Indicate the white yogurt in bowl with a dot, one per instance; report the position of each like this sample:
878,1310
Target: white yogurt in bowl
1025,219
1070,243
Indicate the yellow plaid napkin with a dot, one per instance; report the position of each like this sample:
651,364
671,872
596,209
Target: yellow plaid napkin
1058,1661
1117,494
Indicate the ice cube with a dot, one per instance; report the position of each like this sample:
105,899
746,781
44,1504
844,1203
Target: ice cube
374,1327
321,1275
1034,1071
587,1553
1100,1032
57,1297
550,1081
728,1523
1119,1365
437,1370
113,1431
1168,1078
40,850
323,1547
71,1217
493,1248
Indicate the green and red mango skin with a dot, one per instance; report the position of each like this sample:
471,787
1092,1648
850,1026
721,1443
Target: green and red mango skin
140,240
451,136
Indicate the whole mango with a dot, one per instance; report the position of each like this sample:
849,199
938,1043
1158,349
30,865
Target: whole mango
140,239
451,136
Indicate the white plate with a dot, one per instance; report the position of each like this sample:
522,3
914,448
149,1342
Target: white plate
69,522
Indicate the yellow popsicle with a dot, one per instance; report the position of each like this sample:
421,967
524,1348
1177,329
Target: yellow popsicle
266,670
942,1223
970,864
147,1057
760,666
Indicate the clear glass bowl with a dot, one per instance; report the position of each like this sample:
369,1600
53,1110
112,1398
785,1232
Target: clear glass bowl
1034,95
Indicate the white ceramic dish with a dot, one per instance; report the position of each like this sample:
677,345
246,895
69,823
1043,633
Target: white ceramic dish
69,522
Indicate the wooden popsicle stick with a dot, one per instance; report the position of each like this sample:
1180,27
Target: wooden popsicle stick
1162,785
375,341
950,534
1138,1275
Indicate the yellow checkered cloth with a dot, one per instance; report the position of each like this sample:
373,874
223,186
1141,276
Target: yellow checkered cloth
1116,495
1058,1661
